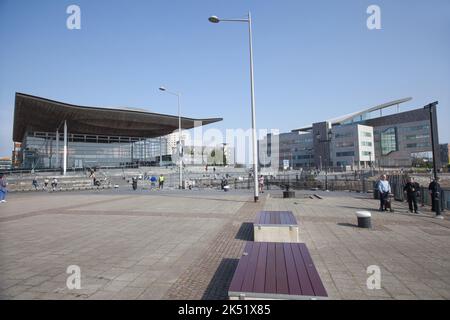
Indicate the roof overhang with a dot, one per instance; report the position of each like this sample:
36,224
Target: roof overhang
341,119
33,113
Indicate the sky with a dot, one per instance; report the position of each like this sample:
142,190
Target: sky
313,59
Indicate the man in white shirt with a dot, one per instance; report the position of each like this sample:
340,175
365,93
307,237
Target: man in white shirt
384,188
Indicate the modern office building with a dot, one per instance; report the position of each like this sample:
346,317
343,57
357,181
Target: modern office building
293,150
361,139
352,145
54,134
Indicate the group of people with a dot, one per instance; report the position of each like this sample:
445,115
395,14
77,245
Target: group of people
412,191
46,182
160,180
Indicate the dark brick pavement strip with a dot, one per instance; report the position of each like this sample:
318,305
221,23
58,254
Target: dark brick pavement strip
209,277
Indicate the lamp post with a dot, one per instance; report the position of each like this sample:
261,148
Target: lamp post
179,135
214,19
436,198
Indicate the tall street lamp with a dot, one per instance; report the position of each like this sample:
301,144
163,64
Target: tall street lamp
214,19
179,135
435,196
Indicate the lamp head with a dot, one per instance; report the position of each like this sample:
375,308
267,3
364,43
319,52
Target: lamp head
214,19
162,89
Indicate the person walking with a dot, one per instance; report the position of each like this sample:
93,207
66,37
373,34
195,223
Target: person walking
412,190
434,188
35,183
134,181
385,189
161,181
45,183
3,189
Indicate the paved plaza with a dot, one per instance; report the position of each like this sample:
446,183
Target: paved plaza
186,244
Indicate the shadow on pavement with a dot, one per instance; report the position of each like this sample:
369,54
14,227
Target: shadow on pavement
218,287
245,232
346,224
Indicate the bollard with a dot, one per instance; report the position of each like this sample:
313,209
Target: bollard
364,219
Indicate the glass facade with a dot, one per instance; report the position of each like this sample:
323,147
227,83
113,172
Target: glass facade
389,141
44,150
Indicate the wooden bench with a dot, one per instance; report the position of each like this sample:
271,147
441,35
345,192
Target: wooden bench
275,226
276,271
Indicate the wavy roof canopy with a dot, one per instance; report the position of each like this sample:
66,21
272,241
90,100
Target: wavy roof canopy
33,113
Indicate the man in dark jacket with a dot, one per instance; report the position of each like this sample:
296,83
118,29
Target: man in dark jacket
434,188
412,191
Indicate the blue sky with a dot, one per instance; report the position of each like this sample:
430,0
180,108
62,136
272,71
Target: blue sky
314,60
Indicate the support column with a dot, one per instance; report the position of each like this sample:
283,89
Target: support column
57,164
65,149
160,151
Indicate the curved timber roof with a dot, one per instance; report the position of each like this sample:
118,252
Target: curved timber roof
33,113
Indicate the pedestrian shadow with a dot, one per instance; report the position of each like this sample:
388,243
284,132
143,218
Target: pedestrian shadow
218,286
245,232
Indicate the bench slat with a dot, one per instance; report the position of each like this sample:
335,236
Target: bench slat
271,283
305,283
247,285
282,283
260,276
291,270
286,218
292,219
319,289
239,274
275,218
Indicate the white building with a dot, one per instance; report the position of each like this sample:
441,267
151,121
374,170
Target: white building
172,141
352,145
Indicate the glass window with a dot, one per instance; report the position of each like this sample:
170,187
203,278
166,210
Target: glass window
345,154
389,141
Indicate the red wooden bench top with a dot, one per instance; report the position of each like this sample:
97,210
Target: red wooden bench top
277,270
275,217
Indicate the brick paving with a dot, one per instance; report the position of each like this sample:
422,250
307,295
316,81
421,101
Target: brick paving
209,277
186,245
412,251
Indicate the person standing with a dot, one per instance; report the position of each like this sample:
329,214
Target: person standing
434,187
385,189
45,183
261,184
161,181
412,190
54,184
3,189
153,182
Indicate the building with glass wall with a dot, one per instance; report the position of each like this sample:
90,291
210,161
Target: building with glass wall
363,138
54,134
